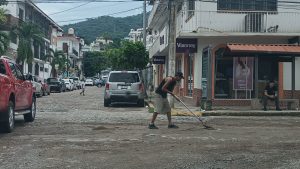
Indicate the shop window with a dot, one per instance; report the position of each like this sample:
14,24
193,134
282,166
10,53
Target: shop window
234,77
223,77
41,69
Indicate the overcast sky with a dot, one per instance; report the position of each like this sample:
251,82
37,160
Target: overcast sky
89,10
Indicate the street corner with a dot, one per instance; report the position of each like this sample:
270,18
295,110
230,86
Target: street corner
181,112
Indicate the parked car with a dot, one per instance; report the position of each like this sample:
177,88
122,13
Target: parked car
74,87
124,86
89,82
45,87
55,84
69,85
36,85
63,85
17,95
76,82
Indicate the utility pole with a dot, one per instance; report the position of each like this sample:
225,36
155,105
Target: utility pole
144,24
172,41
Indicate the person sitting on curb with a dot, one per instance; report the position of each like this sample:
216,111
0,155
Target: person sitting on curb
161,103
270,94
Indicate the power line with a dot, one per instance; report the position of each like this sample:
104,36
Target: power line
99,16
75,7
71,8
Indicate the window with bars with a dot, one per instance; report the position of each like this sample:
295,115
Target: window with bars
248,5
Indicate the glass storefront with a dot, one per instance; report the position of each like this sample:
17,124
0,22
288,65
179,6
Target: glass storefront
235,76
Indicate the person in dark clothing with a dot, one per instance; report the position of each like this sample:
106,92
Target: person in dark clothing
161,103
270,93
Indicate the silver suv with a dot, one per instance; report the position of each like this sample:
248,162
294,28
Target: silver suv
124,86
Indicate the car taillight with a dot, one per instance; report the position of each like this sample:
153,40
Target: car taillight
141,87
107,86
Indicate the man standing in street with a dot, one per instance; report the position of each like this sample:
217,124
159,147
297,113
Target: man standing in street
161,102
270,93
82,87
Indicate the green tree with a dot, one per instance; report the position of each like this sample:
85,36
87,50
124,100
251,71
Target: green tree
4,42
135,54
2,15
56,58
4,38
27,33
94,62
129,56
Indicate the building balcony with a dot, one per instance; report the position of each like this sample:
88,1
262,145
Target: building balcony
157,16
215,23
10,23
155,48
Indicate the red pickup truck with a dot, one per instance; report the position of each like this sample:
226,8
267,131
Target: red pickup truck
16,95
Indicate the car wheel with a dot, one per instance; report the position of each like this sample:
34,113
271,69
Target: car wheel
141,103
9,123
59,90
106,102
29,117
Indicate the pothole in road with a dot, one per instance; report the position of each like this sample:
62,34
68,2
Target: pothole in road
100,128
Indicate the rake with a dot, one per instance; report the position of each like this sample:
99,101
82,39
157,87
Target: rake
202,122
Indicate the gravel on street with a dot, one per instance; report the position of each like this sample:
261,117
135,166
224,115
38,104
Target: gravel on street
73,131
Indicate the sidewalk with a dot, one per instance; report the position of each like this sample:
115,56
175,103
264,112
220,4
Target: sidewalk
180,110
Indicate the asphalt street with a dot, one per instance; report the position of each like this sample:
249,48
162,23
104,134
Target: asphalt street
73,131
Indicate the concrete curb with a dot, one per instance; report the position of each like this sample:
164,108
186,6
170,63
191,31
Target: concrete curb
251,113
183,112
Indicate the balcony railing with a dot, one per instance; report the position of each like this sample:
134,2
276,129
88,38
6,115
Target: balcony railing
154,49
238,22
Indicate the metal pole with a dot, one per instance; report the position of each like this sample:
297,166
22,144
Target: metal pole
144,24
67,60
172,41
293,76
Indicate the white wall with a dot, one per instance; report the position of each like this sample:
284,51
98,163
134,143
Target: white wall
206,18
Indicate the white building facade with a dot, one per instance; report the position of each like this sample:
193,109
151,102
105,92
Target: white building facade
72,47
27,11
213,36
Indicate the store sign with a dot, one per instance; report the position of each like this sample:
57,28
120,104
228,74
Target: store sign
159,60
243,73
186,45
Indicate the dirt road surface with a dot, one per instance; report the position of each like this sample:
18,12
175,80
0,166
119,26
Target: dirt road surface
73,131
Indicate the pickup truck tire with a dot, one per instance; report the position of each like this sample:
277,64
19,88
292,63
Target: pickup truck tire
29,117
9,122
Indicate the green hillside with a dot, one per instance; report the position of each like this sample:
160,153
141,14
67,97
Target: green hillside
115,27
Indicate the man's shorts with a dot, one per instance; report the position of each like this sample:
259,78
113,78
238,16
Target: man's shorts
161,105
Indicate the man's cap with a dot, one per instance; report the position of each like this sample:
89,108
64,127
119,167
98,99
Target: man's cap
179,74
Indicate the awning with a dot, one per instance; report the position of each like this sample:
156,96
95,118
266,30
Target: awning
277,49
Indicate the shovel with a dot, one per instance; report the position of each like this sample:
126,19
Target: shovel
202,122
